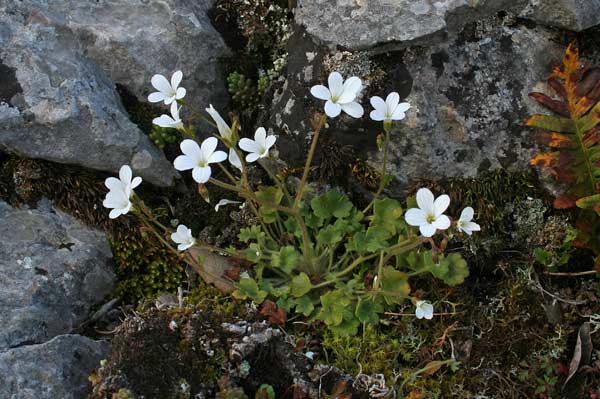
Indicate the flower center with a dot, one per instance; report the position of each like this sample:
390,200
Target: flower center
430,218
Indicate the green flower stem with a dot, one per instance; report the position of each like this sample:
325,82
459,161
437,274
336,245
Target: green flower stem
274,177
318,124
197,113
229,175
404,246
387,127
151,222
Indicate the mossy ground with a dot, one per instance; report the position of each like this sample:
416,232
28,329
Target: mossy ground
511,326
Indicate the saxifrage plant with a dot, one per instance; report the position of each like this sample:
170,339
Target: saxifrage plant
322,258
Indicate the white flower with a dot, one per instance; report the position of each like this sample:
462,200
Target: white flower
259,147
224,202
167,121
167,92
234,159
198,158
465,223
389,110
340,96
429,215
183,237
424,310
224,129
120,192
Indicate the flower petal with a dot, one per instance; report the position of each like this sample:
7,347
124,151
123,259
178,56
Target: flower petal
415,217
260,137
467,214
378,104
216,157
161,84
253,156
208,146
321,92
377,115
425,200
180,93
270,141
125,174
353,109
391,101
248,145
440,205
419,312
156,97
336,84
191,149
183,162
164,121
427,230
331,109
351,88
399,112
115,213
427,310
112,183
176,79
201,174
234,159
442,222
470,227
136,182
224,129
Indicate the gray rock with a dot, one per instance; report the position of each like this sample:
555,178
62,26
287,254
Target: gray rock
361,24
469,96
60,60
52,270
575,15
131,40
469,100
56,369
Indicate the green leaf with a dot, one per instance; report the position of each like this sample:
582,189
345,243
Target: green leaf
333,305
358,243
376,238
332,203
253,252
329,235
304,305
265,391
300,285
367,311
551,123
542,256
247,288
387,213
452,269
286,259
285,303
394,284
252,233
269,197
591,201
346,328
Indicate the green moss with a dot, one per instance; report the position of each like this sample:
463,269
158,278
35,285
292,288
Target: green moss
373,352
146,268
490,193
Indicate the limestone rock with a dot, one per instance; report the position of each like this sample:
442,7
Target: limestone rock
469,96
362,24
60,61
56,369
575,15
52,270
